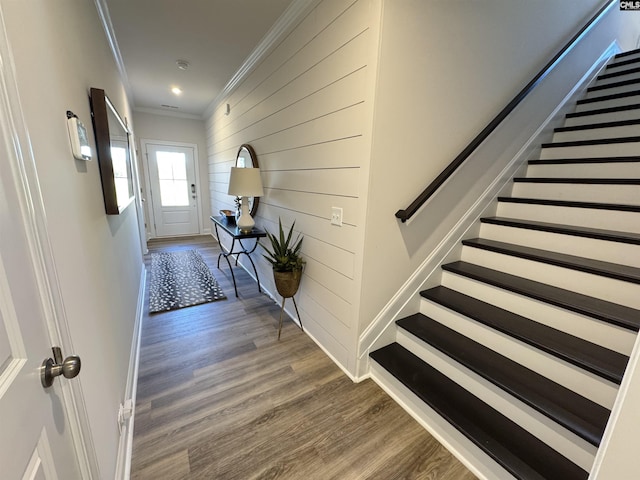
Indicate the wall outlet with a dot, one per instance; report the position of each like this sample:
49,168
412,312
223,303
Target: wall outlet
336,216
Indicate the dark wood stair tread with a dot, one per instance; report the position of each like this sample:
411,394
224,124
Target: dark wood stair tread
595,126
600,111
586,355
571,204
595,233
627,71
586,143
578,414
590,160
604,98
579,181
621,83
603,310
587,265
516,450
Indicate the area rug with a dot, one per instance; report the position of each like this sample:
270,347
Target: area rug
181,279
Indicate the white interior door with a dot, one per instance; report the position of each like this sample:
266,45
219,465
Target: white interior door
35,435
174,192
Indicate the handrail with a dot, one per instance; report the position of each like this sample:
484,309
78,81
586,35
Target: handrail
408,212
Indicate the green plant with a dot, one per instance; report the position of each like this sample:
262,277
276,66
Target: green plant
284,254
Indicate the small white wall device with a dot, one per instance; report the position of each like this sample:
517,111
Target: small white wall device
78,137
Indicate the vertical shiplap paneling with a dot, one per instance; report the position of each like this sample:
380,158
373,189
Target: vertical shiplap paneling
304,110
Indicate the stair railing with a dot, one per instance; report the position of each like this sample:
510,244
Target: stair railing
428,192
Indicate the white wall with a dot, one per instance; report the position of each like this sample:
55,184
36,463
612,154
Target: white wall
60,51
445,70
168,128
306,110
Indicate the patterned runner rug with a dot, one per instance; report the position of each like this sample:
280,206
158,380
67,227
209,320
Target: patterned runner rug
181,279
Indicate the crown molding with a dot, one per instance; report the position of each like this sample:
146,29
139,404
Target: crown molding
296,11
168,113
105,19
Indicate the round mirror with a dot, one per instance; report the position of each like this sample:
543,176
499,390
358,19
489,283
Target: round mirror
246,158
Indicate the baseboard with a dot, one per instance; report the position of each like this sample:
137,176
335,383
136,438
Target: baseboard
125,444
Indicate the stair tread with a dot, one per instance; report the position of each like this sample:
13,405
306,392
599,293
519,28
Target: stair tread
595,126
589,356
575,412
596,267
603,310
622,83
599,141
571,203
622,63
579,181
604,98
516,450
600,111
589,160
596,233
618,74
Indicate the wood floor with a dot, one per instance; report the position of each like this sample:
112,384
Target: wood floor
219,397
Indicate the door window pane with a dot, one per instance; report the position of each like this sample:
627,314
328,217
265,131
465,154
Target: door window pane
172,175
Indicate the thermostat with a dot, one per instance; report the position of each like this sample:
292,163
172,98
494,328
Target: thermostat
78,136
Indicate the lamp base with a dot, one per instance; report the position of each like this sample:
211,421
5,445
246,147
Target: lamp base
245,223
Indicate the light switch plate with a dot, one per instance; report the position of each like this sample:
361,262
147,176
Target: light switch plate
336,216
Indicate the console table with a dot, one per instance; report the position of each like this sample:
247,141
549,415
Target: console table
237,236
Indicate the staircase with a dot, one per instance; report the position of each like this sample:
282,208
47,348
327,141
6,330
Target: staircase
517,356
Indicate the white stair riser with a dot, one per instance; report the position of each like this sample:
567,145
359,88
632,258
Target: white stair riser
613,90
591,151
480,464
603,117
570,376
590,329
609,289
608,103
615,63
557,437
585,170
583,217
597,133
606,251
616,194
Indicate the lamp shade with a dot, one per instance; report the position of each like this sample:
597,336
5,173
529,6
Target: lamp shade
245,182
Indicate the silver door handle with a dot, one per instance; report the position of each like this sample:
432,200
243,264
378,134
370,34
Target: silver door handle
56,366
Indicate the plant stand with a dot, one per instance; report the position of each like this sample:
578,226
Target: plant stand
284,299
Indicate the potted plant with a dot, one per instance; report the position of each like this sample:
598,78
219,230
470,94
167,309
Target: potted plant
286,260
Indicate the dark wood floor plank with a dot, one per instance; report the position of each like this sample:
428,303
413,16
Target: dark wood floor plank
219,397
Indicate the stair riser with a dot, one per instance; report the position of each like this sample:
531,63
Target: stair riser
595,331
609,289
586,170
597,133
591,151
481,465
613,90
608,103
570,376
606,251
602,118
557,437
616,194
583,217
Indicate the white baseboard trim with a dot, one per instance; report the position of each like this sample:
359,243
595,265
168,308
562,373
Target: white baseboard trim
125,444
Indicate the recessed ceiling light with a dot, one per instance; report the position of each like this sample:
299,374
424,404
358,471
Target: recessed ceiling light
176,90
182,64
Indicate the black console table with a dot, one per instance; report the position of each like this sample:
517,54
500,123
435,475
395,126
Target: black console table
236,235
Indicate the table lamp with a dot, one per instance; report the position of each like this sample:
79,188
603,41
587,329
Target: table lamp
244,183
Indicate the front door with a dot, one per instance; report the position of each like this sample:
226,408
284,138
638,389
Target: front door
35,437
174,193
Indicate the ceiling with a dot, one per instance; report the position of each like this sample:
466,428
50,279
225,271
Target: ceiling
214,36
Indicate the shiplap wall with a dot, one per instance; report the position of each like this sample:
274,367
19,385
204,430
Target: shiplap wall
306,110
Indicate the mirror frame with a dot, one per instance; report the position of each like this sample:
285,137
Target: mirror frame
101,106
254,164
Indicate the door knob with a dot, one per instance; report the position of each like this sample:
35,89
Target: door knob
56,366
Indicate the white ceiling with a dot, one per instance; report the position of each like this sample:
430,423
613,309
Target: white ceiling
214,36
